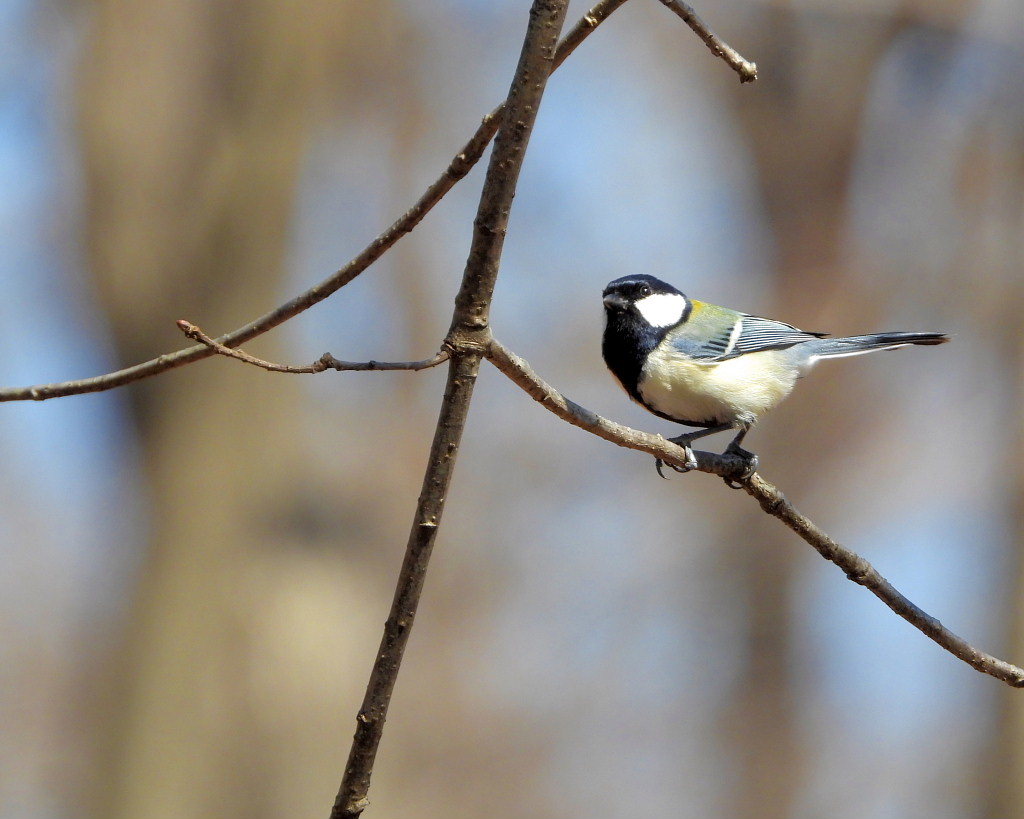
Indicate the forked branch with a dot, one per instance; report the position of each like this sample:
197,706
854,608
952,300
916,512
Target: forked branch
772,501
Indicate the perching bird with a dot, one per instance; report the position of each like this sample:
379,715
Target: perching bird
707,366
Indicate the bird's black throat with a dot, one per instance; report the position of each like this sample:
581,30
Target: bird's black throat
627,341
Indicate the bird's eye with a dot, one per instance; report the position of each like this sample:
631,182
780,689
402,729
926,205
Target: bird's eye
645,290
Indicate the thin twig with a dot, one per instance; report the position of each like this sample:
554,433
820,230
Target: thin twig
325,362
768,496
466,341
456,170
742,66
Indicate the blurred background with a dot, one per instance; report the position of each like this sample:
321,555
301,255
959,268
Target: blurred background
196,569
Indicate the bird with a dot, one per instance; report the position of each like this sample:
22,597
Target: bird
712,367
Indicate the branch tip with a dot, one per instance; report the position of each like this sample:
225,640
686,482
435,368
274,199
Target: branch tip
771,500
325,362
746,69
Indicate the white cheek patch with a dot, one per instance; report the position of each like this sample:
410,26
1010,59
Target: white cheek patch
662,309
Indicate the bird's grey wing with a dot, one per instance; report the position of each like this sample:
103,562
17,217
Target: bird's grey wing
702,343
749,334
756,334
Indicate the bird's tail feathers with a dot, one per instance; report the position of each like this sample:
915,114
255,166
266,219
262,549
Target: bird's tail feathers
858,345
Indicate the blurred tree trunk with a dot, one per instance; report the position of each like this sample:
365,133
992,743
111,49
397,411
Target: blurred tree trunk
268,571
801,126
194,118
998,231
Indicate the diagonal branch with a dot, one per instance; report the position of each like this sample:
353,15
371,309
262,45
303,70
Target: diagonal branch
747,70
467,339
456,170
772,501
325,362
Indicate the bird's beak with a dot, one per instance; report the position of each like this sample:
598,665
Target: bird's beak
614,301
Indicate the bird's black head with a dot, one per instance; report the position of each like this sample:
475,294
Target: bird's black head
639,311
645,299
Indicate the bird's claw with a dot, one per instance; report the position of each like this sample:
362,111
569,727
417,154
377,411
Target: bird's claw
689,464
750,466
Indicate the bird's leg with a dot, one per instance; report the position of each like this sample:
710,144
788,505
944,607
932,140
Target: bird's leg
684,441
689,437
734,448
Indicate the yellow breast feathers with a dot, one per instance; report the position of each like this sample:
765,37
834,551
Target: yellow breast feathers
736,391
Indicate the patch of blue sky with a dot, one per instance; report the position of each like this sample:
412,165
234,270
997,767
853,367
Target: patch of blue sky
619,179
341,207
903,189
867,661
16,17
69,452
605,586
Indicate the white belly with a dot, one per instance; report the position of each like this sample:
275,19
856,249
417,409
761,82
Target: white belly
736,391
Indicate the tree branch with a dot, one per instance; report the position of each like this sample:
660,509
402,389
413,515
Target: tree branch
772,501
456,170
747,70
466,341
325,362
